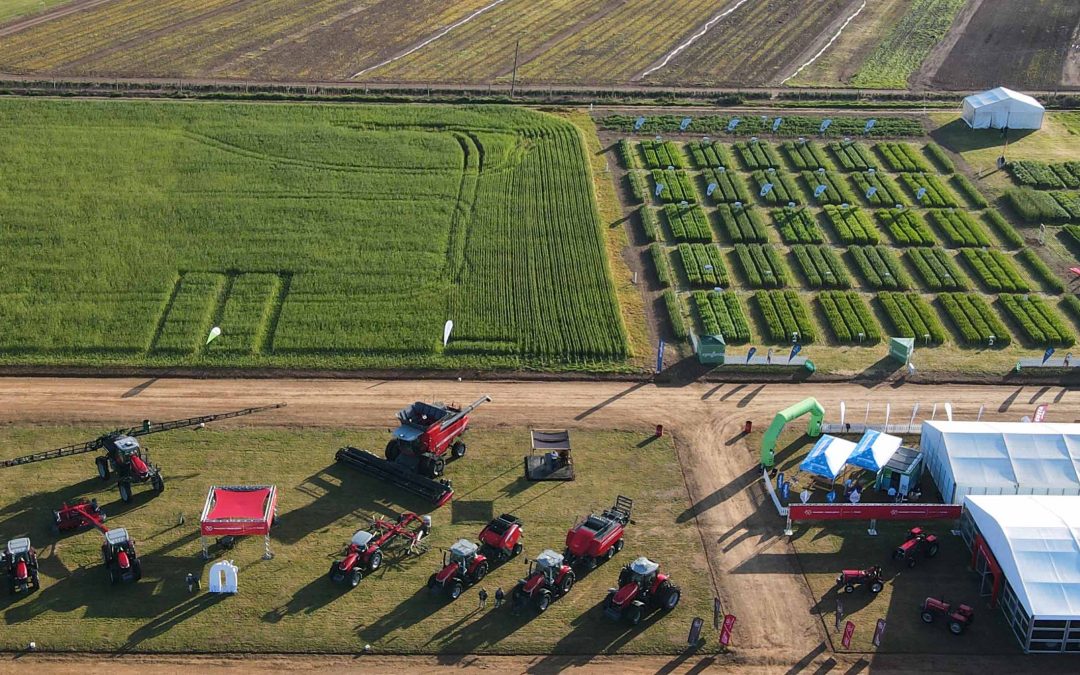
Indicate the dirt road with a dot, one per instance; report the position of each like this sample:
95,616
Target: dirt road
775,625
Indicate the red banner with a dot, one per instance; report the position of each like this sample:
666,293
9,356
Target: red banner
725,632
874,511
1040,413
849,630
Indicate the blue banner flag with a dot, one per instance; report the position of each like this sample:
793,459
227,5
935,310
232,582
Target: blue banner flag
777,122
780,480
750,354
685,123
794,350
825,124
638,123
1049,352
660,357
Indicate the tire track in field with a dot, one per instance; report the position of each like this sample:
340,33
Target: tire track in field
58,13
828,44
685,45
433,38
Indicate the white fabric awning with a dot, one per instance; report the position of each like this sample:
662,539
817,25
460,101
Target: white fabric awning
1036,540
827,456
874,450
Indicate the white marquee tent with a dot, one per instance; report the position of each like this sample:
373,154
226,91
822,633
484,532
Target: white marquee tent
1000,108
1002,458
1036,542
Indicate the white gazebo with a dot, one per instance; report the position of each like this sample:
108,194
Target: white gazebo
1002,108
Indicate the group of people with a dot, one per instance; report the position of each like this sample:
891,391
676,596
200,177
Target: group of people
499,597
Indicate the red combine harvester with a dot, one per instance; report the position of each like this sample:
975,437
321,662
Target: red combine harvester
642,589
118,552
124,457
958,618
364,554
872,576
463,567
20,562
500,540
598,537
416,452
917,542
548,578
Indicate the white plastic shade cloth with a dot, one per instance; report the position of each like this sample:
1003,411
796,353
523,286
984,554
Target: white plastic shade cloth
1002,458
1036,541
1000,108
874,450
827,456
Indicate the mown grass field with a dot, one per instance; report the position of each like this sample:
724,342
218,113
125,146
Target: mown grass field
899,264
314,236
288,604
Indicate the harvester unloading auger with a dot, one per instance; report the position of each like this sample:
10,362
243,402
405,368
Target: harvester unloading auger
124,457
416,452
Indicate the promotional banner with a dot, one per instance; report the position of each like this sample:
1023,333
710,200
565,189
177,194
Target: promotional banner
849,630
878,632
695,631
750,354
725,632
874,511
1047,354
1040,413
794,350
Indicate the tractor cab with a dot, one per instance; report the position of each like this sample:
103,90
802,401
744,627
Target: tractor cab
463,552
20,558
122,448
462,566
643,572
361,539
117,538
118,554
18,549
417,418
548,564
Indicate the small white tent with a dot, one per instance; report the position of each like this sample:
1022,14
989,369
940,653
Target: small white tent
1002,108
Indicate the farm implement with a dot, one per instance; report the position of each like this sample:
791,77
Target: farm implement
416,452
124,457
549,578
20,562
118,552
598,537
364,553
642,589
466,563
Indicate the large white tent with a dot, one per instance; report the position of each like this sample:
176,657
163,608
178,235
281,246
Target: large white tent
1035,541
1002,458
1002,108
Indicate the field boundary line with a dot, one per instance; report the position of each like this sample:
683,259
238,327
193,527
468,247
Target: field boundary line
177,281
266,345
828,44
693,38
433,38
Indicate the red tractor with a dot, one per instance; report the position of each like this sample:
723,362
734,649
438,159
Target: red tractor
917,543
871,576
598,537
20,562
958,618
465,566
548,578
427,432
120,558
642,589
364,554
500,540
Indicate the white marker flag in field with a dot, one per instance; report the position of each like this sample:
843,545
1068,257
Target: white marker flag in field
214,333
777,122
446,331
819,190
711,189
659,188
869,125
638,123
685,123
825,124
766,189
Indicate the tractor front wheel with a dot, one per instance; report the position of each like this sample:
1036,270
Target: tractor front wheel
543,601
125,492
955,627
392,450
158,483
375,561
911,562
928,617
355,577
454,590
518,548
876,587
931,550
849,588
457,450
634,614
102,467
668,596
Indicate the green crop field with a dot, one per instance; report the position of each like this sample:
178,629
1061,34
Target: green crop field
314,236
288,603
904,47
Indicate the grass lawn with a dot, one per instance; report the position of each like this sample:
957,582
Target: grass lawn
11,9
315,236
288,604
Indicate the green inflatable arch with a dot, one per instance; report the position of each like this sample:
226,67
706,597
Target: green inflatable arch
806,406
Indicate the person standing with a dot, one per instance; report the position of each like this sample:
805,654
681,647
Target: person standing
499,596
483,598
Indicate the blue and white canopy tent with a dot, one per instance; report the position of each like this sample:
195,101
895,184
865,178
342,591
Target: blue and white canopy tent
874,450
827,457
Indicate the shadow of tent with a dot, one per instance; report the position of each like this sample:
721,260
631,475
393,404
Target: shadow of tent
959,137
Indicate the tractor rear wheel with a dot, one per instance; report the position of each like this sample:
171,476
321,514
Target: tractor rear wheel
136,569
618,545
518,548
668,596
454,590
567,583
932,550
457,450
355,577
928,617
438,466
125,492
392,450
543,601
158,483
624,576
876,587
375,561
335,573
35,583
481,572
849,588
634,614
102,467
955,627
911,562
